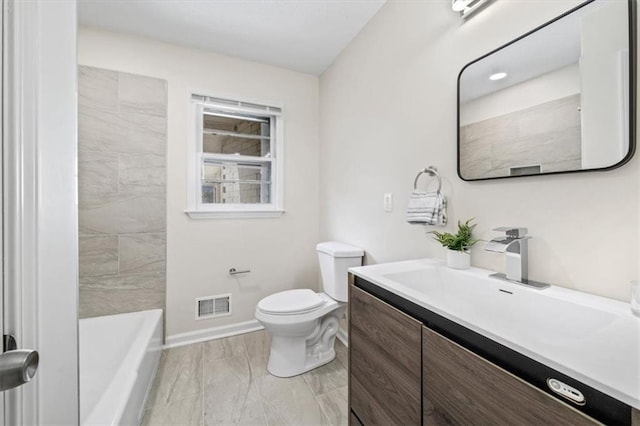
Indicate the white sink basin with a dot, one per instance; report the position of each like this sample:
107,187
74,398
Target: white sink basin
593,339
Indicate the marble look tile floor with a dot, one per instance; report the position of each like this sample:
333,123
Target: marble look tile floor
225,382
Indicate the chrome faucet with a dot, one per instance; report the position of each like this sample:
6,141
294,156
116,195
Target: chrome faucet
514,246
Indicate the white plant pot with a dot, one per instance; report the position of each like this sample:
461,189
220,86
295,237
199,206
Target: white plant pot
458,259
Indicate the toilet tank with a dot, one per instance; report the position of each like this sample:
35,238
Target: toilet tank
335,259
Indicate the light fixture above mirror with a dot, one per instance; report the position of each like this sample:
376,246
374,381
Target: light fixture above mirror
466,8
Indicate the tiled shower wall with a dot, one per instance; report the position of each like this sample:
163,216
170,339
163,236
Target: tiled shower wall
122,191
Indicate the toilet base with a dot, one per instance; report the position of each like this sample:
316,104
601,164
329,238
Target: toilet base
278,369
294,355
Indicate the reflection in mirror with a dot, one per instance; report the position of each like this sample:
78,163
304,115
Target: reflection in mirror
558,99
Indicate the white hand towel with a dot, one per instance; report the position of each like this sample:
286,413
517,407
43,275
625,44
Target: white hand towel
429,208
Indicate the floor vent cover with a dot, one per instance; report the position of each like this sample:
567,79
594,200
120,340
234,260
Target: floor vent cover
213,306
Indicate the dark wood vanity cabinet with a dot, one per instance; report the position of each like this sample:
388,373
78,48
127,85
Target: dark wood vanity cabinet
403,373
384,363
461,388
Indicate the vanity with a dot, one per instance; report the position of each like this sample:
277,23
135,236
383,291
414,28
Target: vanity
436,346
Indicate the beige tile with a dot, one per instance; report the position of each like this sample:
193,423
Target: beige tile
227,370
142,253
342,353
112,294
233,404
98,214
258,364
179,375
258,342
97,172
290,402
231,395
186,411
335,406
122,214
99,130
143,134
98,256
142,173
98,302
225,348
329,377
108,131
142,94
97,88
142,213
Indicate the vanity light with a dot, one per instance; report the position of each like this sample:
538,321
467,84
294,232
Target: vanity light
459,5
468,7
497,76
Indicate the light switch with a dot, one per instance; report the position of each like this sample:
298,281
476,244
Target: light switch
388,202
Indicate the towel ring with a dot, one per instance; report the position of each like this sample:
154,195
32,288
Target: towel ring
432,171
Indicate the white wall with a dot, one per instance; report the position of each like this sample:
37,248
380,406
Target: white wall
388,109
279,251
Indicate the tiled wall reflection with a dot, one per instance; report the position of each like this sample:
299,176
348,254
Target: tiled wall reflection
547,135
122,191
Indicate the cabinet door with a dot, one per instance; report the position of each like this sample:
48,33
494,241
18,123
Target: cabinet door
460,388
384,362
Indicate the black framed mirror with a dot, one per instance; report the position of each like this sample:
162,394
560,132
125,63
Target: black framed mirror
559,99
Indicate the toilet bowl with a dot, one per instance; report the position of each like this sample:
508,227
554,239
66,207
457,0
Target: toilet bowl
303,324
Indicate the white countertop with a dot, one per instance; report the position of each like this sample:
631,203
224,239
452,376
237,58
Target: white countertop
593,339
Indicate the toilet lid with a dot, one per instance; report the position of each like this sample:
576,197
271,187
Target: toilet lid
290,302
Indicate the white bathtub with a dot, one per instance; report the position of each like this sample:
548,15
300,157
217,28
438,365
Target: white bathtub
119,356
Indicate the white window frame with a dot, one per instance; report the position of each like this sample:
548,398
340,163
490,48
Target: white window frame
196,209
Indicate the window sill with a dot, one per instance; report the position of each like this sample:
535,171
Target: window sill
228,214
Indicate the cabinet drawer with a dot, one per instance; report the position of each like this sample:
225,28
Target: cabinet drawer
385,362
460,388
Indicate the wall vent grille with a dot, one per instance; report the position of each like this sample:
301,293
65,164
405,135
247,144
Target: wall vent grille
213,306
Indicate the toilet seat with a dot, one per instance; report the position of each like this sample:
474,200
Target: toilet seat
291,302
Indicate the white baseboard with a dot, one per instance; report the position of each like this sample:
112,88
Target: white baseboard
212,333
343,337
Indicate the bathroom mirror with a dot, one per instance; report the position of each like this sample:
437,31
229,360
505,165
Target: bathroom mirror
559,99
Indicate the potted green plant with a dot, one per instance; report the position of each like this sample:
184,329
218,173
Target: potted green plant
458,245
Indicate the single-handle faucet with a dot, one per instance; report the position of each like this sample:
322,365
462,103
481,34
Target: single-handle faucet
514,246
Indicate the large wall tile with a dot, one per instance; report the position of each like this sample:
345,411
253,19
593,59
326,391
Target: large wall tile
97,172
122,213
95,302
99,130
121,132
98,256
142,173
142,94
98,88
142,213
143,133
98,214
106,295
142,253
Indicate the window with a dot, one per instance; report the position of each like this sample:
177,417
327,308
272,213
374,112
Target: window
235,159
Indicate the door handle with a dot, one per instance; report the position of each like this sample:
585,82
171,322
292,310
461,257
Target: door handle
17,366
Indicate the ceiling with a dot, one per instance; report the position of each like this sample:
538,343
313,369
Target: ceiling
301,35
551,48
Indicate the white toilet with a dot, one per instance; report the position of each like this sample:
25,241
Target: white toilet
303,324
